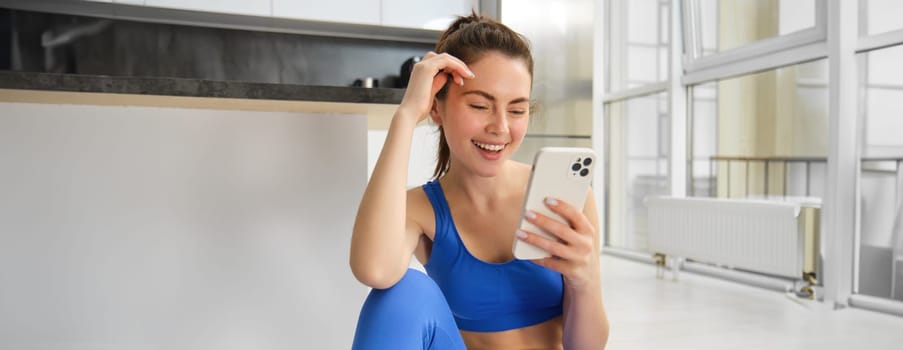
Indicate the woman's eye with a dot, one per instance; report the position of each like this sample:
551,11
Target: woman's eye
479,107
518,112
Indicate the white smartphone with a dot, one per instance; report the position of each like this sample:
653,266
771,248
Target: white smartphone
564,173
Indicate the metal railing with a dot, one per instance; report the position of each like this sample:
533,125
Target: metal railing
768,164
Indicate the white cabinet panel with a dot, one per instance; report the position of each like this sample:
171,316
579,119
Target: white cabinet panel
129,2
424,14
242,7
345,11
174,228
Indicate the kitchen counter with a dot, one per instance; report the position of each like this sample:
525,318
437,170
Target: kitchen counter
195,88
377,103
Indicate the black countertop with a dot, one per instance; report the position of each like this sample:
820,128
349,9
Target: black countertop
195,88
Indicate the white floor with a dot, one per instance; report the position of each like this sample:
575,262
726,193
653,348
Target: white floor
699,312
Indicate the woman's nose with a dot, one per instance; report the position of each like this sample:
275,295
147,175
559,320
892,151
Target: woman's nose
498,124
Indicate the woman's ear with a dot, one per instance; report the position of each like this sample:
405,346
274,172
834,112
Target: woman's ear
434,112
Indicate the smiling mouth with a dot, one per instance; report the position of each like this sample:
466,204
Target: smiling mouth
490,147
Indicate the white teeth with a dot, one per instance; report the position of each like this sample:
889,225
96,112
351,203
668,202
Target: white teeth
488,147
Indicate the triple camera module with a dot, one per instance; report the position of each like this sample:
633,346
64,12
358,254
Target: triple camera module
581,166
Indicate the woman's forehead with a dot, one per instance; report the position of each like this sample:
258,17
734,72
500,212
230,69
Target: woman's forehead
502,78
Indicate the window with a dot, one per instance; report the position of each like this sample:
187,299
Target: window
729,24
756,78
723,31
637,121
881,179
637,155
762,134
638,43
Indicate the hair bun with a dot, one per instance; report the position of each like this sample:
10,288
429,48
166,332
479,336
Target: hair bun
464,21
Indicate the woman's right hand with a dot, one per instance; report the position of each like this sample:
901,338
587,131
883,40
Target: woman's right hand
427,78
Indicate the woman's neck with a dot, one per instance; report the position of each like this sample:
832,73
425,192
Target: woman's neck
480,191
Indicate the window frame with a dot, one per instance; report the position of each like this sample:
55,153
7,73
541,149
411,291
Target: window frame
694,61
879,41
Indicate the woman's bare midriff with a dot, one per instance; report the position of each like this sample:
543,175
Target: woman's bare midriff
543,336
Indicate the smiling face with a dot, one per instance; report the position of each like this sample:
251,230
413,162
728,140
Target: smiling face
486,119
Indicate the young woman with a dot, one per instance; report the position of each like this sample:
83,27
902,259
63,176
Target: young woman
462,225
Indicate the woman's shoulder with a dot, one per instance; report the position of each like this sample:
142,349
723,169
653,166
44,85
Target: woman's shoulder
419,208
417,194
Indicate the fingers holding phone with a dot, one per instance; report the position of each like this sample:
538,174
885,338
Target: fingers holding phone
568,240
570,244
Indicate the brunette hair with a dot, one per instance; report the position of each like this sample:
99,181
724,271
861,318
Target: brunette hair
468,38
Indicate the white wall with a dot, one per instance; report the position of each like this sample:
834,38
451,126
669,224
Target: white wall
424,150
156,228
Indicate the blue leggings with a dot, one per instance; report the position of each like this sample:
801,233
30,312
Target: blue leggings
412,314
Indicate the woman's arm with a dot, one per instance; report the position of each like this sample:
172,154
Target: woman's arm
577,258
585,320
384,238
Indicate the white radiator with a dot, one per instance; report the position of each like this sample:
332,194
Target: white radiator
752,235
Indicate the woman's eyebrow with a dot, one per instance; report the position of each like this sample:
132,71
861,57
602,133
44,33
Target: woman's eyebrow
489,96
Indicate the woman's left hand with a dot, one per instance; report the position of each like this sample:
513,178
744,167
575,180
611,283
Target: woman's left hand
573,253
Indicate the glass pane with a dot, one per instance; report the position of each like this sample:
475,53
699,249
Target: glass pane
643,126
637,165
881,15
728,24
643,67
884,126
768,130
640,15
881,179
638,42
884,67
704,142
883,107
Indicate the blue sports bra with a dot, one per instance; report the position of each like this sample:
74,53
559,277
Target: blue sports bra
488,297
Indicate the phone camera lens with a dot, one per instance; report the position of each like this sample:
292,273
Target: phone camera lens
576,166
587,161
584,172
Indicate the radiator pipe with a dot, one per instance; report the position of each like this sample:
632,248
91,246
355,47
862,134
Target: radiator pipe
771,283
876,304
